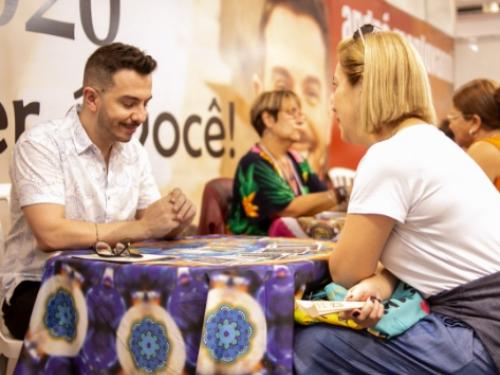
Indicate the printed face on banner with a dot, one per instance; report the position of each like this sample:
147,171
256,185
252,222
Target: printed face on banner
295,59
213,58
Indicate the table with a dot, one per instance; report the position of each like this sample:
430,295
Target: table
212,305
326,225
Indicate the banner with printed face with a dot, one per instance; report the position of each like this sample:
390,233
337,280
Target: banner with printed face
435,47
214,57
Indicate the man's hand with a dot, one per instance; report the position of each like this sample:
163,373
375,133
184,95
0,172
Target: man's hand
183,208
159,218
169,216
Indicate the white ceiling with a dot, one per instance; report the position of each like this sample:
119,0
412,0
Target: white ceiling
471,4
463,3
444,15
474,24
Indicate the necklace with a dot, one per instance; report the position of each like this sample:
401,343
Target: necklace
292,179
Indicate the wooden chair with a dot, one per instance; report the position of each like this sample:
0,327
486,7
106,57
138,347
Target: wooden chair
341,176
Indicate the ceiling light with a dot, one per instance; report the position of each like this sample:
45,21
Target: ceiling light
491,7
472,44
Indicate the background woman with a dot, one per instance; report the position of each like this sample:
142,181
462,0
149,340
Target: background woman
475,122
412,216
271,180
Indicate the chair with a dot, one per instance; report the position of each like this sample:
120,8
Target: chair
4,214
341,176
216,199
5,206
9,347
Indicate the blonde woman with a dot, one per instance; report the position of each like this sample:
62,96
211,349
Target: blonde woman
411,217
475,123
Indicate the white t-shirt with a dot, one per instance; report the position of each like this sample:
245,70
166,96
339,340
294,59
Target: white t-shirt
447,210
56,162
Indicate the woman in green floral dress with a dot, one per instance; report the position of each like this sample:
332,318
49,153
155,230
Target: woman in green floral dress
272,181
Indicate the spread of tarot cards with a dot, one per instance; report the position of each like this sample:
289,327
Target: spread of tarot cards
226,250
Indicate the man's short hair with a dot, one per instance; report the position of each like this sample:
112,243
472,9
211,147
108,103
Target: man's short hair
395,85
109,59
270,102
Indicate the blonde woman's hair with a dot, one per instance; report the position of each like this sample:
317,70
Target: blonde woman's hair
395,85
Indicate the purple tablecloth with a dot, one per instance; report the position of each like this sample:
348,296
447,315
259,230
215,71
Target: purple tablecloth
176,316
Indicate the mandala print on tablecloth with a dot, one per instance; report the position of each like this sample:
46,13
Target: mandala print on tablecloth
61,317
227,334
148,344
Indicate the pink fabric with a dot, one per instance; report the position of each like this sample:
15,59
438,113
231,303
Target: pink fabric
325,226
286,227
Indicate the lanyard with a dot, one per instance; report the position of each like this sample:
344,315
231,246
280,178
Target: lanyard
282,174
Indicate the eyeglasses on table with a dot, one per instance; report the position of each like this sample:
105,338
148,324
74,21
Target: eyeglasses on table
121,249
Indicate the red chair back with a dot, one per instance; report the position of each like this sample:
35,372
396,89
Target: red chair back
216,200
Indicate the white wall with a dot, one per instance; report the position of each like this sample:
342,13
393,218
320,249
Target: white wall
477,36
482,62
477,48
439,13
414,7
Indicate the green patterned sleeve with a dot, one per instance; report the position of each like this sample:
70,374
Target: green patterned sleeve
274,194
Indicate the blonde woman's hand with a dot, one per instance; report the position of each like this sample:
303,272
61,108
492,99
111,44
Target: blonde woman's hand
373,309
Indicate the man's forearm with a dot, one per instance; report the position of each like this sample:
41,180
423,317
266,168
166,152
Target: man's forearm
55,232
72,234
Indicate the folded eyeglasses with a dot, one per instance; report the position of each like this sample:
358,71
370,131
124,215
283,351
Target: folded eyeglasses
121,249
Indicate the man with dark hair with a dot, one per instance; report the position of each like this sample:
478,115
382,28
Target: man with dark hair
295,40
107,60
84,179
